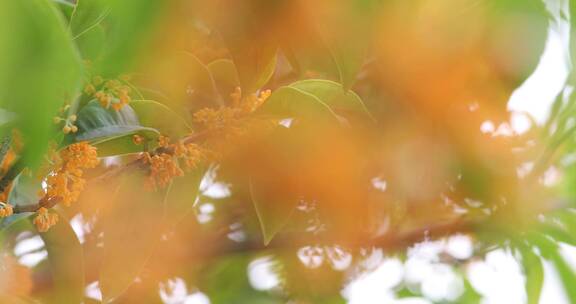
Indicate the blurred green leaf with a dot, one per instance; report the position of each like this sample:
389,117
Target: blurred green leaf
132,229
314,99
25,190
40,69
567,276
534,272
66,262
155,115
224,74
111,33
182,195
255,64
231,271
273,214
129,25
332,93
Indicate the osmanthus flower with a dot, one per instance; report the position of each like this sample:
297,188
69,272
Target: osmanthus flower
6,210
69,120
65,182
163,167
110,93
45,219
231,117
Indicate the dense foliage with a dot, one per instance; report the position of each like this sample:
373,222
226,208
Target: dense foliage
185,139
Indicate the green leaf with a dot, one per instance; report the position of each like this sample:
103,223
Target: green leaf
313,99
224,74
25,190
99,125
349,46
534,272
66,262
40,69
132,229
182,195
255,63
111,33
289,102
566,275
129,25
155,115
273,213
334,96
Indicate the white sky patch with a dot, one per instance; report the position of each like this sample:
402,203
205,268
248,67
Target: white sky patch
498,278
376,287
93,291
261,274
174,291
30,251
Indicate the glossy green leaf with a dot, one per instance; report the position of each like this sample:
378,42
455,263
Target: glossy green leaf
40,69
66,262
98,125
155,115
132,229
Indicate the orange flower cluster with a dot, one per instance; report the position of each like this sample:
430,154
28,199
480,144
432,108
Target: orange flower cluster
6,210
111,93
165,166
44,219
66,181
226,117
252,102
191,154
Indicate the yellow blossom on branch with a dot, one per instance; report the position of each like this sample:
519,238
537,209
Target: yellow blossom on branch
6,210
66,182
44,219
163,168
110,94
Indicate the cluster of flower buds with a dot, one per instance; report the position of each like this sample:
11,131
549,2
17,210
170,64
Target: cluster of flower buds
45,219
164,166
68,120
110,93
66,181
6,210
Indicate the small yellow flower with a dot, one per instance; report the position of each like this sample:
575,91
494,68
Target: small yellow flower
89,89
137,139
163,141
163,168
6,210
66,182
44,219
